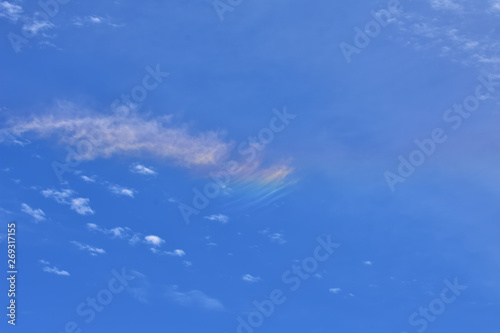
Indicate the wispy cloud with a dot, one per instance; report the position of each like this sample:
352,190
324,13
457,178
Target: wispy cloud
120,190
367,263
250,278
94,251
10,11
65,197
142,170
133,238
56,271
44,262
445,5
218,217
175,253
37,214
81,21
195,299
88,179
275,237
81,206
123,135
34,26
117,232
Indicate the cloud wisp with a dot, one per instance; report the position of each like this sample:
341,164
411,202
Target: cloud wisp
110,135
37,214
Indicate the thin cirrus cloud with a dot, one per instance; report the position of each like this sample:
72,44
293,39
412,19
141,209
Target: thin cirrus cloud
94,251
250,278
218,217
56,271
10,11
66,197
111,135
37,214
52,270
195,299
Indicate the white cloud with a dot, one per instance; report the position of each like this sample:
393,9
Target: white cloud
93,20
34,26
88,179
445,5
124,135
219,217
142,170
117,232
81,206
335,290
94,251
196,299
277,238
65,197
250,278
120,190
61,197
176,253
153,240
10,11
44,262
37,214
367,262
187,263
55,270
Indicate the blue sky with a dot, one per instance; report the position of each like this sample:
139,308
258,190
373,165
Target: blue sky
251,166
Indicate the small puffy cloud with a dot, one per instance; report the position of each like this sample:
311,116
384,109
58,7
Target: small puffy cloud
174,253
250,278
55,270
65,197
37,214
142,170
367,262
153,240
61,197
120,190
81,206
218,217
94,251
195,299
334,290
44,262
10,11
